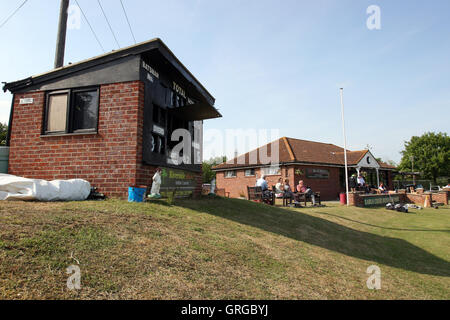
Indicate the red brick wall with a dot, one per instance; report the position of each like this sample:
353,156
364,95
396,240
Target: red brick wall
107,159
441,197
329,188
110,160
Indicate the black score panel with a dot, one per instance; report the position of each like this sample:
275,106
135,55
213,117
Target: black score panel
163,97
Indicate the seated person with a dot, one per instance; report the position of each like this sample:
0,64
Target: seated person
307,191
261,182
264,187
279,188
288,194
382,188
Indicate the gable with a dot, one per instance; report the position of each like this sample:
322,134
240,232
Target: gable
368,161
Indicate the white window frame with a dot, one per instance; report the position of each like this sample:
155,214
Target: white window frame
270,171
233,172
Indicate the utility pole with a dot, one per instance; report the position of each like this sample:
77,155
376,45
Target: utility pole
345,143
61,38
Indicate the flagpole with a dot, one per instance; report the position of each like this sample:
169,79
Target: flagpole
345,143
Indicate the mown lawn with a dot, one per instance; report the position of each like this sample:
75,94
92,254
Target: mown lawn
221,249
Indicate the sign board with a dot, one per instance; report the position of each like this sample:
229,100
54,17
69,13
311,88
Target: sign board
317,173
183,181
26,101
380,200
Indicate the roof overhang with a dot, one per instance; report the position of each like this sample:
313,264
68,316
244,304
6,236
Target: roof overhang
140,48
196,111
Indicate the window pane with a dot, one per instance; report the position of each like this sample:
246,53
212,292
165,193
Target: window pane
271,171
57,113
249,172
230,174
85,109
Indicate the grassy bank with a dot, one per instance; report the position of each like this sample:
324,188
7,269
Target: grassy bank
221,249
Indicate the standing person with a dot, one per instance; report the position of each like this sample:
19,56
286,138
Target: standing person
361,181
307,191
352,183
156,185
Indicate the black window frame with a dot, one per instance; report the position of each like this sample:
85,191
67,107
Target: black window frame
69,111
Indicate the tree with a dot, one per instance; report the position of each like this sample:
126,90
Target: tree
430,153
207,166
3,133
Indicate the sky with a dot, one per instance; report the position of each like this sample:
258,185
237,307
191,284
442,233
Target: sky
271,64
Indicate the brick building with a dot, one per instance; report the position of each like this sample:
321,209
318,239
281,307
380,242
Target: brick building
110,120
319,165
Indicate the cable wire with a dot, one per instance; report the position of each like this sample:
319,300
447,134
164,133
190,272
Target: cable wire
107,21
15,11
93,32
128,21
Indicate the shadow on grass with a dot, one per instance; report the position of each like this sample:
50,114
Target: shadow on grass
316,231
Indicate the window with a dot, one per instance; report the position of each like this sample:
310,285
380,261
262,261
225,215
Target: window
177,100
230,174
271,171
57,112
71,111
159,124
249,172
84,110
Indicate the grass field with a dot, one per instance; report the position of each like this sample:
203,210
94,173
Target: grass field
221,249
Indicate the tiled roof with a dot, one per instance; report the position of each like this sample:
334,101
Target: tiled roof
299,151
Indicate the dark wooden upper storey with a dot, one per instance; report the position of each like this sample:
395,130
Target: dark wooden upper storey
124,65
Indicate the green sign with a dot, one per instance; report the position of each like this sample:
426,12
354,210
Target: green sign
373,201
184,182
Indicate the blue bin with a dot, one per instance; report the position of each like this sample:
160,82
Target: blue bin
136,194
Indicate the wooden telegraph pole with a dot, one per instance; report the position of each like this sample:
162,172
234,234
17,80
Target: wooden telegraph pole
61,38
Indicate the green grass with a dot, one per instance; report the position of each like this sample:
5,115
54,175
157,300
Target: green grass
221,249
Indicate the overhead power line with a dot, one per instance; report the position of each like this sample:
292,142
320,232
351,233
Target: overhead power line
93,32
128,21
107,21
12,14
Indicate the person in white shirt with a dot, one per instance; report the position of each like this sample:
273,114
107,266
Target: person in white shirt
382,188
279,188
262,183
361,181
156,185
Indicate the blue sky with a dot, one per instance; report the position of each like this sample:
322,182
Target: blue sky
273,64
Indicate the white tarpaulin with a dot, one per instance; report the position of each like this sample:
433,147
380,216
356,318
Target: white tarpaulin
18,188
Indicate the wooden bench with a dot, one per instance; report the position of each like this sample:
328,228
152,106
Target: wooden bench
303,197
256,194
285,199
